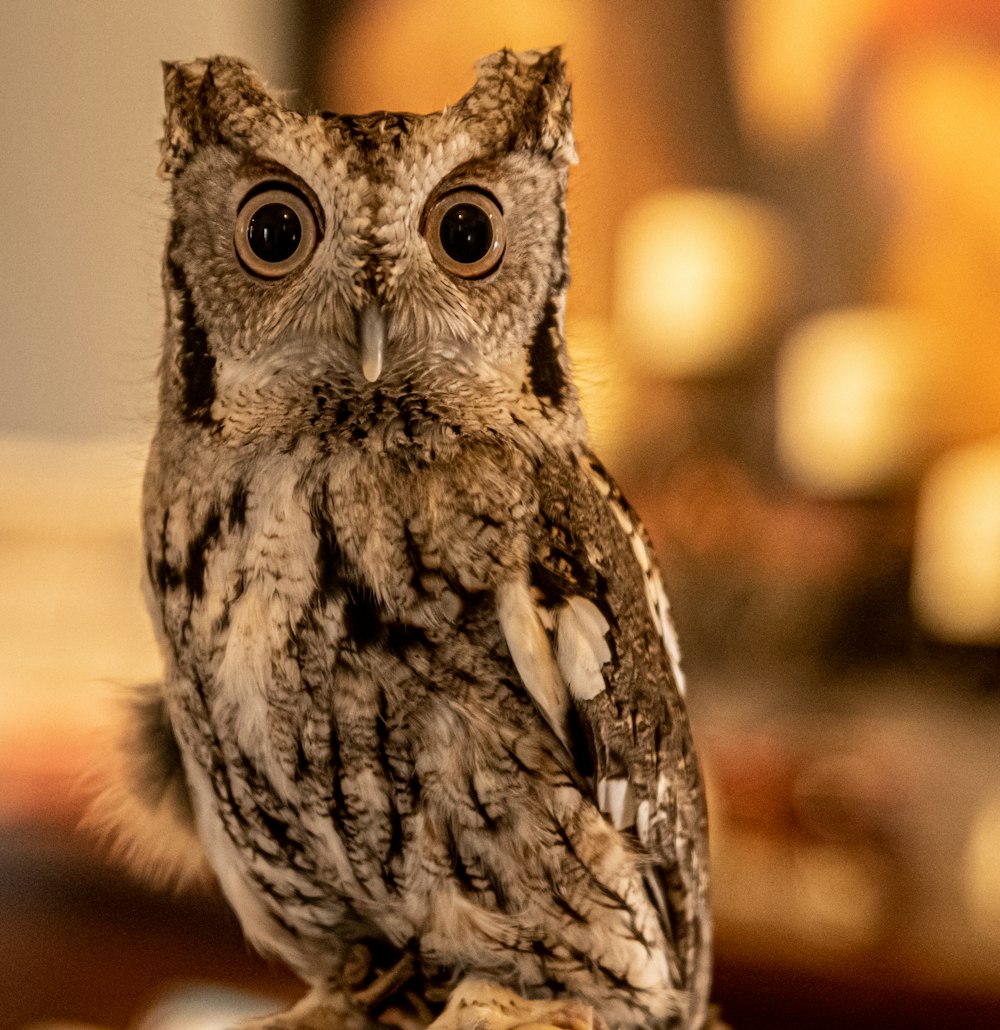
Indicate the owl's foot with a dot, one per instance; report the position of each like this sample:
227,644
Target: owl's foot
484,1005
386,983
316,1011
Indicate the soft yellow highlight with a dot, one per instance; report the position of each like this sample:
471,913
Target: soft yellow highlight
852,400
700,276
956,569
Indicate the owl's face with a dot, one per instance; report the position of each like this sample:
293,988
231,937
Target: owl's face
318,264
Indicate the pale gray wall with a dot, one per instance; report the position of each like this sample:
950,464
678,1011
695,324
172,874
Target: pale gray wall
81,209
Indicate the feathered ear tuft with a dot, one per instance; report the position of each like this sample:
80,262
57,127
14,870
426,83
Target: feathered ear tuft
217,100
526,98
180,132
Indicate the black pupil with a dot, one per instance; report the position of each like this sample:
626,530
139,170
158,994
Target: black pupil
466,233
274,232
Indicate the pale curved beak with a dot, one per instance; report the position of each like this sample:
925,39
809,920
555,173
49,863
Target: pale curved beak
373,328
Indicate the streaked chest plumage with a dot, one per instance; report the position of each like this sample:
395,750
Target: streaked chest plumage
372,761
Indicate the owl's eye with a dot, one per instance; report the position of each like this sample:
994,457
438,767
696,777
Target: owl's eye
465,232
275,232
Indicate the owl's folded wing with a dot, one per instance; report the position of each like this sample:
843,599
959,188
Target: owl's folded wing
591,637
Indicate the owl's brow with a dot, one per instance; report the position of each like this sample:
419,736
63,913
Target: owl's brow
252,167
262,170
478,170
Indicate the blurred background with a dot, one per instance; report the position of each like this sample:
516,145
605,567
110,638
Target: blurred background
784,314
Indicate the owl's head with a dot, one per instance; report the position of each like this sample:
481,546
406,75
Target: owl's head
402,273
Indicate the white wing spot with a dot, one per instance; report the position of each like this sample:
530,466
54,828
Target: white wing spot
531,651
656,597
642,821
617,801
621,515
582,647
642,555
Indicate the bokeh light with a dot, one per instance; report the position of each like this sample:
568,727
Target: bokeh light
956,565
853,400
700,277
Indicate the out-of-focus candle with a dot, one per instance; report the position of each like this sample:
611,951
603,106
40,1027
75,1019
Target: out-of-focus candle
699,277
956,562
853,393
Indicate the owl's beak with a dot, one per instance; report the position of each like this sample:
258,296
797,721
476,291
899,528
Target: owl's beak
373,326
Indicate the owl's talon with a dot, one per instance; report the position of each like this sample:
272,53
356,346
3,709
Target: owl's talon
357,966
484,1005
420,1006
401,1019
317,1011
387,983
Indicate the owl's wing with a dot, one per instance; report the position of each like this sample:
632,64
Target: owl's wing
592,640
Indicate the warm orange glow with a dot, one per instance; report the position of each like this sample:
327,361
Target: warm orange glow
792,61
935,118
853,398
408,56
934,136
700,276
956,568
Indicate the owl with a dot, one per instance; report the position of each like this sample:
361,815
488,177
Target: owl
421,707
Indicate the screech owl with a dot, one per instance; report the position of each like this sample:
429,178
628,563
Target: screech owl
421,697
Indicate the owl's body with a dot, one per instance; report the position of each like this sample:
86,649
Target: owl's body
418,660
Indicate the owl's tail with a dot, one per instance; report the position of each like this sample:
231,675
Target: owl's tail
141,806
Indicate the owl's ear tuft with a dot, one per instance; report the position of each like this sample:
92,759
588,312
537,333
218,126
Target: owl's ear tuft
209,102
527,98
180,88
